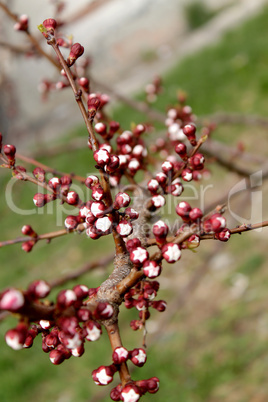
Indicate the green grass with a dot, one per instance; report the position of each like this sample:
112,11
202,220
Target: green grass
215,348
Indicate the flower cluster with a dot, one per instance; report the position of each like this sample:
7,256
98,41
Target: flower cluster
68,324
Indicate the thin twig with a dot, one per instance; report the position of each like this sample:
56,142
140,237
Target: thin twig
49,169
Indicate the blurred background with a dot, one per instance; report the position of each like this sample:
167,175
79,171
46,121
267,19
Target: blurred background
211,344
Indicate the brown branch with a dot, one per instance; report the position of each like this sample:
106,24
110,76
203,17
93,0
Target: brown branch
46,236
71,276
238,230
77,93
115,341
14,48
49,169
119,243
13,16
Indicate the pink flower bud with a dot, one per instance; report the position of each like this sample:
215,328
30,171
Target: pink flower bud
91,181
39,174
224,235
93,232
195,214
97,193
114,127
151,269
153,385
115,393
218,222
167,167
158,201
81,291
139,151
131,213
103,375
197,161
101,128
93,105
27,246
22,24
113,164
161,178
139,255
193,241
124,228
102,157
9,151
159,305
183,209
103,311
71,222
78,351
181,150
98,209
139,129
76,51
12,300
38,289
133,166
50,24
72,198
187,174
160,229
171,252
27,230
70,341
138,356
84,83
66,352
125,138
130,393
136,324
15,338
68,324
54,183
189,130
39,200
122,200
56,356
83,314
120,355
131,244
66,298
93,331
52,340
153,186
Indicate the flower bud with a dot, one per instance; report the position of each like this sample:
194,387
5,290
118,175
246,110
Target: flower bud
76,51
9,151
16,337
93,105
93,331
12,300
171,252
104,374
38,289
139,255
120,355
50,24
39,174
130,393
66,298
138,356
